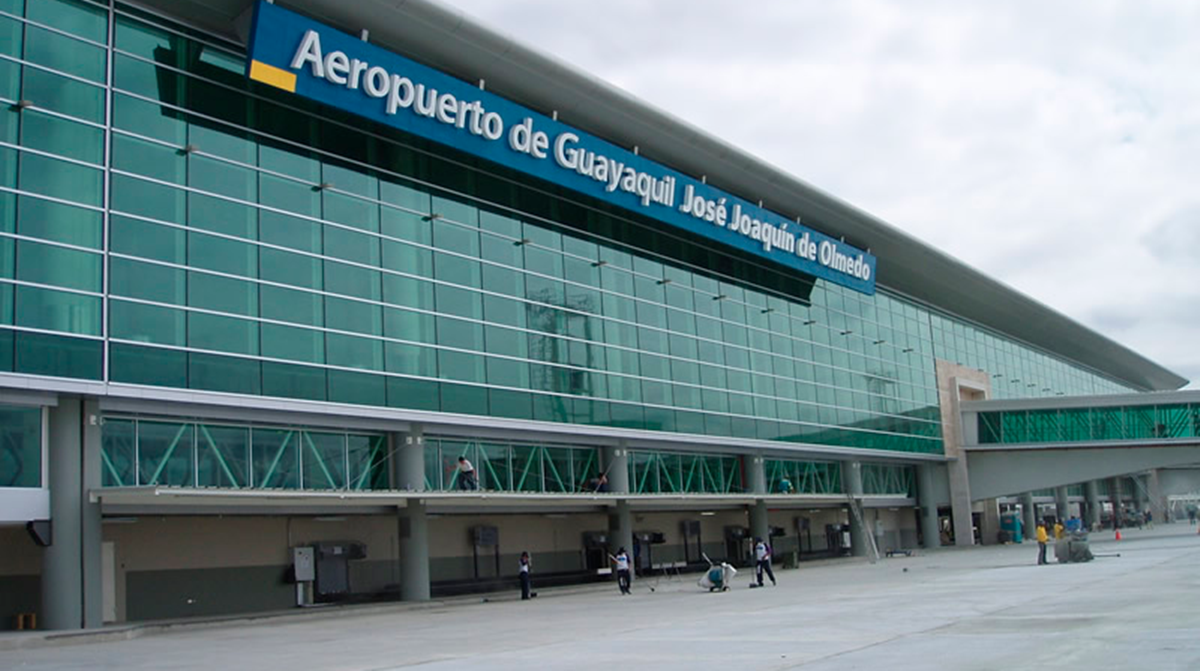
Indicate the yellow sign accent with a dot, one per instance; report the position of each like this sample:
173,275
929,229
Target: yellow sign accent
269,74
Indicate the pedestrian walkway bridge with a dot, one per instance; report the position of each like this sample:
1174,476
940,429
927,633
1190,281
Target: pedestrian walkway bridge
1021,444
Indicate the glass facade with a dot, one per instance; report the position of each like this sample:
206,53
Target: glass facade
1139,422
20,446
164,221
803,477
511,467
195,454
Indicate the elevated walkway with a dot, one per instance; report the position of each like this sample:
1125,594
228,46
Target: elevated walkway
1023,444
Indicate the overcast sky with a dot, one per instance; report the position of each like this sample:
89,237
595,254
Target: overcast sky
1054,146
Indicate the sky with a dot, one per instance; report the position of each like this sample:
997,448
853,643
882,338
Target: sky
1053,146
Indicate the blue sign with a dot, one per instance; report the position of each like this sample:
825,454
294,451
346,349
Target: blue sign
310,59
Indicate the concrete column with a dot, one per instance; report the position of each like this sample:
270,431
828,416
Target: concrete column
852,483
760,526
72,596
756,478
620,531
615,461
408,474
408,460
413,528
1114,496
620,520
989,522
1061,506
1142,489
756,474
1029,516
1091,490
1158,502
929,513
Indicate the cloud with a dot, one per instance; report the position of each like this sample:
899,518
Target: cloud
1050,145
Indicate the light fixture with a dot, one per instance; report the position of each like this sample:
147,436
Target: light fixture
522,241
598,264
665,280
907,350
432,216
22,104
880,341
767,311
720,297
707,513
847,332
323,186
809,322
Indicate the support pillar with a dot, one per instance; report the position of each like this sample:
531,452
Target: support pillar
620,532
989,522
929,513
72,595
1091,490
1158,502
414,551
1029,514
620,520
852,482
1114,496
408,474
615,464
760,526
1062,507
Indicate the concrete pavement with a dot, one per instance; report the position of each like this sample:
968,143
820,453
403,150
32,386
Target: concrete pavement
972,608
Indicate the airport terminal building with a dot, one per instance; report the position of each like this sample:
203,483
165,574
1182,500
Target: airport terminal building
269,270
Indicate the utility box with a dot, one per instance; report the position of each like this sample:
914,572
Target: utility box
333,559
304,572
304,563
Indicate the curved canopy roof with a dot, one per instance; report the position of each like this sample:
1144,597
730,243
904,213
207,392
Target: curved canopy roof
447,39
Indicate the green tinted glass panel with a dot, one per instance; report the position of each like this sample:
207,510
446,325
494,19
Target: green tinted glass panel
323,460
60,94
294,344
165,454
222,255
222,334
145,365
20,447
222,456
57,311
223,294
49,220
60,179
275,458
118,453
62,137
147,281
147,323
222,373
85,19
291,381
154,201
292,306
